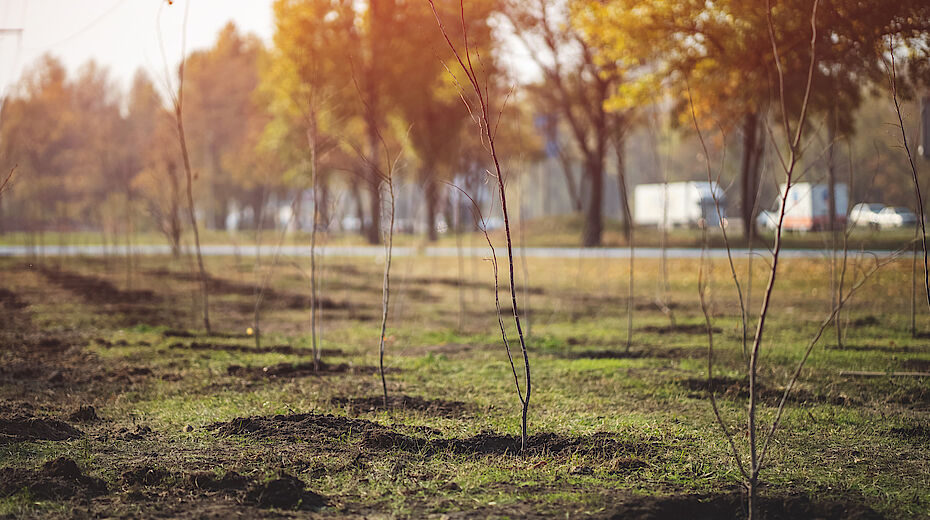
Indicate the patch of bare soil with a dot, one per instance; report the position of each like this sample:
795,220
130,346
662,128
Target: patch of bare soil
271,298
681,328
730,506
540,444
437,407
295,370
731,388
636,353
316,428
94,289
18,423
920,433
456,282
60,479
271,349
916,365
894,349
283,492
85,413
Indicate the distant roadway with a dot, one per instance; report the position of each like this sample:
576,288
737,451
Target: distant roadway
375,251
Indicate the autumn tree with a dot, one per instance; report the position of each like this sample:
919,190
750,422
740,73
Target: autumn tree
225,120
722,51
157,177
575,87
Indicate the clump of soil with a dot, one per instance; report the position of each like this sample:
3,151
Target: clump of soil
208,481
295,370
144,476
85,413
17,424
58,479
285,492
729,506
437,407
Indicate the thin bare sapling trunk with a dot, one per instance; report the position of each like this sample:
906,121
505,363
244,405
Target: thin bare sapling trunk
624,194
483,116
893,80
178,102
270,271
260,288
385,181
313,142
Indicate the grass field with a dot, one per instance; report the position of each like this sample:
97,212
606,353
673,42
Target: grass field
190,425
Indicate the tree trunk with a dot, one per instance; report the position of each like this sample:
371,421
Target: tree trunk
749,173
594,219
373,230
431,193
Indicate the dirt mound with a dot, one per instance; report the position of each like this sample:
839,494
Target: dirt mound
144,476
96,290
271,349
285,492
10,301
308,426
319,427
733,388
58,479
639,353
912,433
209,481
540,444
23,426
295,370
696,328
437,407
85,413
728,507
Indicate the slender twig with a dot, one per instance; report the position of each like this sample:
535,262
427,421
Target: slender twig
6,181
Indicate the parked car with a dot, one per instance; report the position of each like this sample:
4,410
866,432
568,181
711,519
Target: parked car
896,217
865,214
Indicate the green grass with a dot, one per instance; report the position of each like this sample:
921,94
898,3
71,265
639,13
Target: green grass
839,444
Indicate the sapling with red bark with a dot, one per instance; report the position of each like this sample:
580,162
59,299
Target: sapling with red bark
483,115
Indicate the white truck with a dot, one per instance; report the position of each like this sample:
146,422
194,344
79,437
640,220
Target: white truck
679,204
808,206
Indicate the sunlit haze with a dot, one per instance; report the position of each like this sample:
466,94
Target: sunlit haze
119,34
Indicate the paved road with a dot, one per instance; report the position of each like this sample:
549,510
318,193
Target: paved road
374,251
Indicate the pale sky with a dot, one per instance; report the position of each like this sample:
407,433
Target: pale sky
119,34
